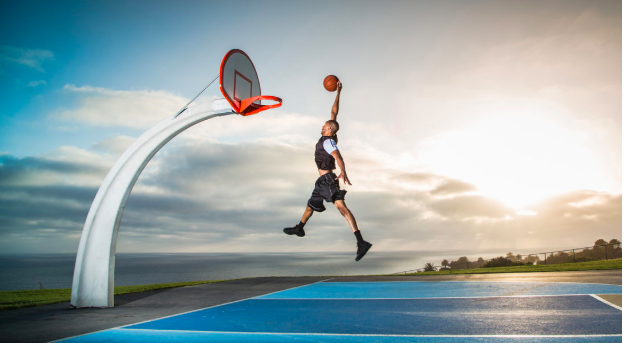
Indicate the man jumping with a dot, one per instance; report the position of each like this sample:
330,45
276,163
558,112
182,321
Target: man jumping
327,186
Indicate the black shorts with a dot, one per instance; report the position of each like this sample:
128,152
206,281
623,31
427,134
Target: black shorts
326,188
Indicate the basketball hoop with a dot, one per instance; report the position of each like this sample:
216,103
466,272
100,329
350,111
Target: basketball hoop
240,85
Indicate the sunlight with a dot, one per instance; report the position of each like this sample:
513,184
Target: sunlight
518,159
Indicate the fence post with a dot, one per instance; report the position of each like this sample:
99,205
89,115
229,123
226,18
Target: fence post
545,262
573,255
606,255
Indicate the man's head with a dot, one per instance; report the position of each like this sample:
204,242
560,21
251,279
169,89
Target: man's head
330,128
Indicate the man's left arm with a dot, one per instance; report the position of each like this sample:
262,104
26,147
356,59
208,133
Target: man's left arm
343,171
336,106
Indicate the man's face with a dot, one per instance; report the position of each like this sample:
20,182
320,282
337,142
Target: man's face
326,130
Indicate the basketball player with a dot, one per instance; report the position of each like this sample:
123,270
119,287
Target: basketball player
327,186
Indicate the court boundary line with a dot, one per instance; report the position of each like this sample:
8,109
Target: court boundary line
438,298
578,283
288,289
205,308
177,314
379,335
595,296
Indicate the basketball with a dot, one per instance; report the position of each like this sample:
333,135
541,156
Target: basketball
330,83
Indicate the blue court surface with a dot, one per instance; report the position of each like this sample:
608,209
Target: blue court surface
410,311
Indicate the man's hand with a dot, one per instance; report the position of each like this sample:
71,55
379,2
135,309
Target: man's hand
344,178
339,85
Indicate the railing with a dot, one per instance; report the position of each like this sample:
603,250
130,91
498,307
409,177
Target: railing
562,257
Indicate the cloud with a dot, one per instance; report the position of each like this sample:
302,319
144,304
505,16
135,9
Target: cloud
114,145
198,195
37,83
453,187
66,166
27,57
598,207
470,206
105,107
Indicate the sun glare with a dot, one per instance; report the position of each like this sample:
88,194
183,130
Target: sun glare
518,159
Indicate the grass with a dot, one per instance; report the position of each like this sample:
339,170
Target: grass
27,298
563,267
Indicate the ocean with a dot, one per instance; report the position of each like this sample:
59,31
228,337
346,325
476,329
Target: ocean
19,272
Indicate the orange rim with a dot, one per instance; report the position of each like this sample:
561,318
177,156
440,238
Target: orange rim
248,107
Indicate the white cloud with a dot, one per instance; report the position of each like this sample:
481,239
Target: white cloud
199,194
115,145
105,107
27,57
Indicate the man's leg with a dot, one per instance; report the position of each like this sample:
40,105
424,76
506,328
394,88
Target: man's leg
362,245
307,214
298,229
342,208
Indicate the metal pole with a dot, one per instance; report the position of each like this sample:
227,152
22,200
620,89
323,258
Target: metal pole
545,262
573,255
94,271
198,94
606,255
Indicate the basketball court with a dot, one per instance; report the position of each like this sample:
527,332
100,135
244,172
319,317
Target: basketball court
331,310
341,310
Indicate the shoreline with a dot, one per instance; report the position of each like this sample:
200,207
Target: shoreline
10,300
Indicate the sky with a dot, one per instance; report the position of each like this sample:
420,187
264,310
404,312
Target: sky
464,125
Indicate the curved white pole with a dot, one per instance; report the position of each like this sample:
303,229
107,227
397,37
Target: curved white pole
94,273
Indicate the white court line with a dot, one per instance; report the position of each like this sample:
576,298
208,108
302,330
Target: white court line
606,302
177,314
476,281
381,335
288,289
477,297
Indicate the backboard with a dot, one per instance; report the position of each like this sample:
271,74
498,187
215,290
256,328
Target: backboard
239,84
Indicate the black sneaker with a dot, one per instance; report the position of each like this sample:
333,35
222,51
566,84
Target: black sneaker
296,230
362,249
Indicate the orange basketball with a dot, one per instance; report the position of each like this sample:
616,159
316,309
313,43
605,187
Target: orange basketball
330,83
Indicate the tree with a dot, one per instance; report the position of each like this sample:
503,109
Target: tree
445,264
461,263
615,249
510,256
600,242
500,262
533,259
429,267
519,258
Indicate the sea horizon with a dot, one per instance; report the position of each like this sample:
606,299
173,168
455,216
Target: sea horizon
22,271
55,270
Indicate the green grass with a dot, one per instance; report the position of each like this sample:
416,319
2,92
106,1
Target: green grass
17,299
593,265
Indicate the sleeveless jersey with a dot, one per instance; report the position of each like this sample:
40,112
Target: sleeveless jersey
324,161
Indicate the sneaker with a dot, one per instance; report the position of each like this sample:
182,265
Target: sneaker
296,230
362,249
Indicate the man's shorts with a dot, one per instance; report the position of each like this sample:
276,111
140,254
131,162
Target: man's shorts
326,188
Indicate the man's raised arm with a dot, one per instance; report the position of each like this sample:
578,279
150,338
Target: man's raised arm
334,111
